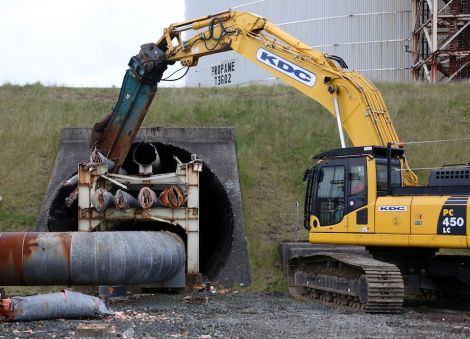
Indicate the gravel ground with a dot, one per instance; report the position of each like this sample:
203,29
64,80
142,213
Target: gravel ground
252,315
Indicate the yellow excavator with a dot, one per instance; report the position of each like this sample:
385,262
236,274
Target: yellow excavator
365,195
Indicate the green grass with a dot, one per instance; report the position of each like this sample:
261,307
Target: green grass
277,132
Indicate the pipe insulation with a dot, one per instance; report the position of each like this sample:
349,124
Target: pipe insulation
62,305
123,200
147,198
102,199
89,258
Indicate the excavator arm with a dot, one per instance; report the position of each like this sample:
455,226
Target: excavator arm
115,133
350,97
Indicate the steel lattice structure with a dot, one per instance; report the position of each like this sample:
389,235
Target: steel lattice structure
441,40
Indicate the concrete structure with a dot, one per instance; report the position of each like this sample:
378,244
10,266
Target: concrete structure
223,250
372,36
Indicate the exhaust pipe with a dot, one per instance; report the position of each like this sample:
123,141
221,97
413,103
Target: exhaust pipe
146,156
89,258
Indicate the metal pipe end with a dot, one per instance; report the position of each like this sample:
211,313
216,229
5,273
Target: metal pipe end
147,198
72,182
123,200
173,197
102,199
97,157
146,156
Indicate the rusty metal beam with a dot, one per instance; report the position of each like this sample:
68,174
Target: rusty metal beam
457,71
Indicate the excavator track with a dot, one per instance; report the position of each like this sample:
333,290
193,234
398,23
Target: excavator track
346,279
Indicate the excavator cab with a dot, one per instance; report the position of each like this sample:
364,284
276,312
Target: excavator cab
339,183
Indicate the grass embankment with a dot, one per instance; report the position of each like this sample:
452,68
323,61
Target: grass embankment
277,132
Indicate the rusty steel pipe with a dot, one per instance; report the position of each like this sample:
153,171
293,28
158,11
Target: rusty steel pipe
146,156
89,258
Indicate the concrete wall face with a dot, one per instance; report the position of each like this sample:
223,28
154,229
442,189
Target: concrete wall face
372,36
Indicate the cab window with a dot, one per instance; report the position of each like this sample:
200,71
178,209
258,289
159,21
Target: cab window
357,180
329,202
382,177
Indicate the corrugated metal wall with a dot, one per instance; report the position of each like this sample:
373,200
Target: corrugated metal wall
370,35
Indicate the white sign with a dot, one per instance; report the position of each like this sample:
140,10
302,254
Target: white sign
286,67
393,208
222,73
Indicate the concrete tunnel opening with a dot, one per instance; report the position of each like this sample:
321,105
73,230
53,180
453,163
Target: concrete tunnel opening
216,214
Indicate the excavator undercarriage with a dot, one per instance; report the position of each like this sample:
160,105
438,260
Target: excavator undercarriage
373,279
346,279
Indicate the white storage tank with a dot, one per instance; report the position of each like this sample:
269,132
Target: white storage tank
372,36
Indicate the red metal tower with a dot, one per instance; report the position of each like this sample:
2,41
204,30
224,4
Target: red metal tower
441,40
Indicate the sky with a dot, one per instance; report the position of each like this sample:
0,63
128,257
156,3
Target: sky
85,43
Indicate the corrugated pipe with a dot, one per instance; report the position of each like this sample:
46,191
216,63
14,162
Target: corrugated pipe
89,258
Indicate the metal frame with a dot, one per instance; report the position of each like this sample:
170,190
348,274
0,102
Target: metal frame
441,40
92,177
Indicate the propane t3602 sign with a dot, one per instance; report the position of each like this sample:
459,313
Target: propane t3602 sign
222,73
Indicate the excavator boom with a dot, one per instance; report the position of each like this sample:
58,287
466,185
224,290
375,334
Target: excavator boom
355,102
